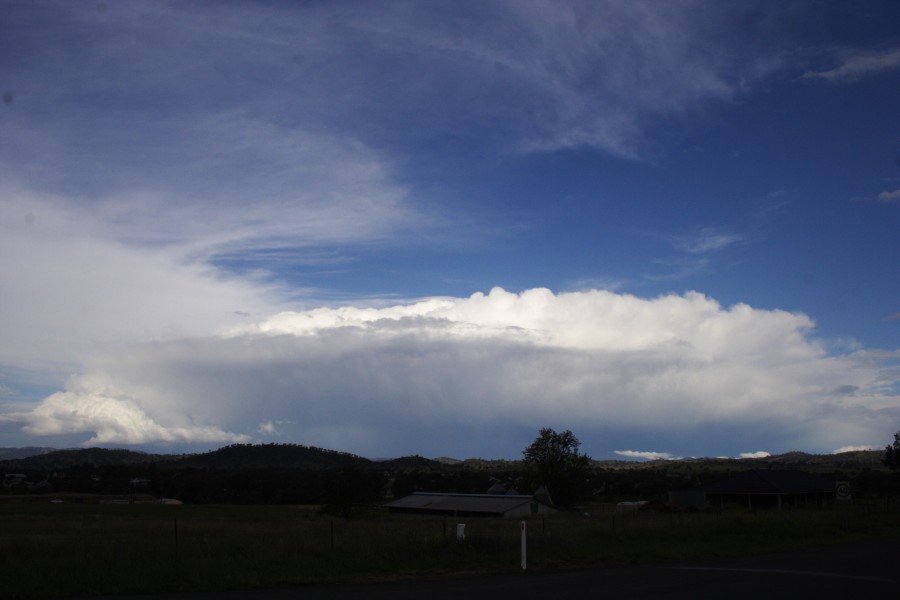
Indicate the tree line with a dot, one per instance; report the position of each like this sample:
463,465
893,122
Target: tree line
337,481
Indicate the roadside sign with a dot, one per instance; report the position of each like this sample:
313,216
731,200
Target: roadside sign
842,491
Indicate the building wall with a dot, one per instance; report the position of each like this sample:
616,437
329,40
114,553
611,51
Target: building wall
530,509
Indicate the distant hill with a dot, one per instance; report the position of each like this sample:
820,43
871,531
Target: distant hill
278,456
410,462
97,457
238,456
17,453
286,456
845,460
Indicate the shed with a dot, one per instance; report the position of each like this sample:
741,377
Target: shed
487,505
760,488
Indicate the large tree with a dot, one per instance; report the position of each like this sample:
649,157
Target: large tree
553,460
892,454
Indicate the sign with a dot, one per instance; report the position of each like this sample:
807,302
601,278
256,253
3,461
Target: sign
842,490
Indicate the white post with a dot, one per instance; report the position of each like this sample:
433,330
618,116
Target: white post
522,530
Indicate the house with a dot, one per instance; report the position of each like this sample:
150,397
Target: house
760,488
14,479
472,505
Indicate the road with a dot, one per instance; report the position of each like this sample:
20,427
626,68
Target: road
860,570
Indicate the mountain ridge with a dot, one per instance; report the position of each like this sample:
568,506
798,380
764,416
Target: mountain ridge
311,457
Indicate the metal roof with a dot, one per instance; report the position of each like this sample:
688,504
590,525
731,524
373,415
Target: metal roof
771,482
494,504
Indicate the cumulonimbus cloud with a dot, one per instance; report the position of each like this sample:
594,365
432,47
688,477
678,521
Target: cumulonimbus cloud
112,419
427,376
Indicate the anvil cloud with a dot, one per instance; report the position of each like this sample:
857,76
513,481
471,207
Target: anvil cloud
429,375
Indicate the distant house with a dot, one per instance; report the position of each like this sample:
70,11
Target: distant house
472,505
501,488
14,479
761,488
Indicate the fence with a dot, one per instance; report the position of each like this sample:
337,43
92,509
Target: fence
62,550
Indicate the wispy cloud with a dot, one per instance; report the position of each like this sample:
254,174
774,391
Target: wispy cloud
697,253
889,196
705,241
856,65
537,71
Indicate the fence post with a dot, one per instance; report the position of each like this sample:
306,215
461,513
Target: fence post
522,535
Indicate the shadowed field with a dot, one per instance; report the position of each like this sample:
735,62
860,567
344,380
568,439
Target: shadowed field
51,550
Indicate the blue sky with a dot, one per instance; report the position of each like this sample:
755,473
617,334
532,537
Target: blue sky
434,228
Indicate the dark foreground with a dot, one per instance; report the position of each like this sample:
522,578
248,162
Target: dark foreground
859,570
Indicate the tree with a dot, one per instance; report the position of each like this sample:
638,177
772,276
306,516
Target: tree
351,488
553,460
892,454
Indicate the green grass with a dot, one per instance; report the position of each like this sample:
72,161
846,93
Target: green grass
92,549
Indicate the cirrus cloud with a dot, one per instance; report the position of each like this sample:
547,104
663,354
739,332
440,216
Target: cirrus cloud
889,196
856,65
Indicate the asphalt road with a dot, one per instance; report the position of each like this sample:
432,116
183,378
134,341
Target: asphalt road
861,570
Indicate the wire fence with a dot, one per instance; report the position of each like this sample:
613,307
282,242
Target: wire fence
133,549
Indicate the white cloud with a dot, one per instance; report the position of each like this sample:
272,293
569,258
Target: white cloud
171,150
889,196
427,377
854,449
856,65
758,454
90,405
646,455
268,428
68,290
128,265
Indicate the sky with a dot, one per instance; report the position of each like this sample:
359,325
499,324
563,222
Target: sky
434,228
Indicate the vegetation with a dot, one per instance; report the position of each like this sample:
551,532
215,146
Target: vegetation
553,460
56,550
85,522
294,474
892,454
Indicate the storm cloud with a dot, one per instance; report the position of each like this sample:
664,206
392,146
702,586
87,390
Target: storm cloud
428,376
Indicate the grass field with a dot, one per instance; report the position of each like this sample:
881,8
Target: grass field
53,550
